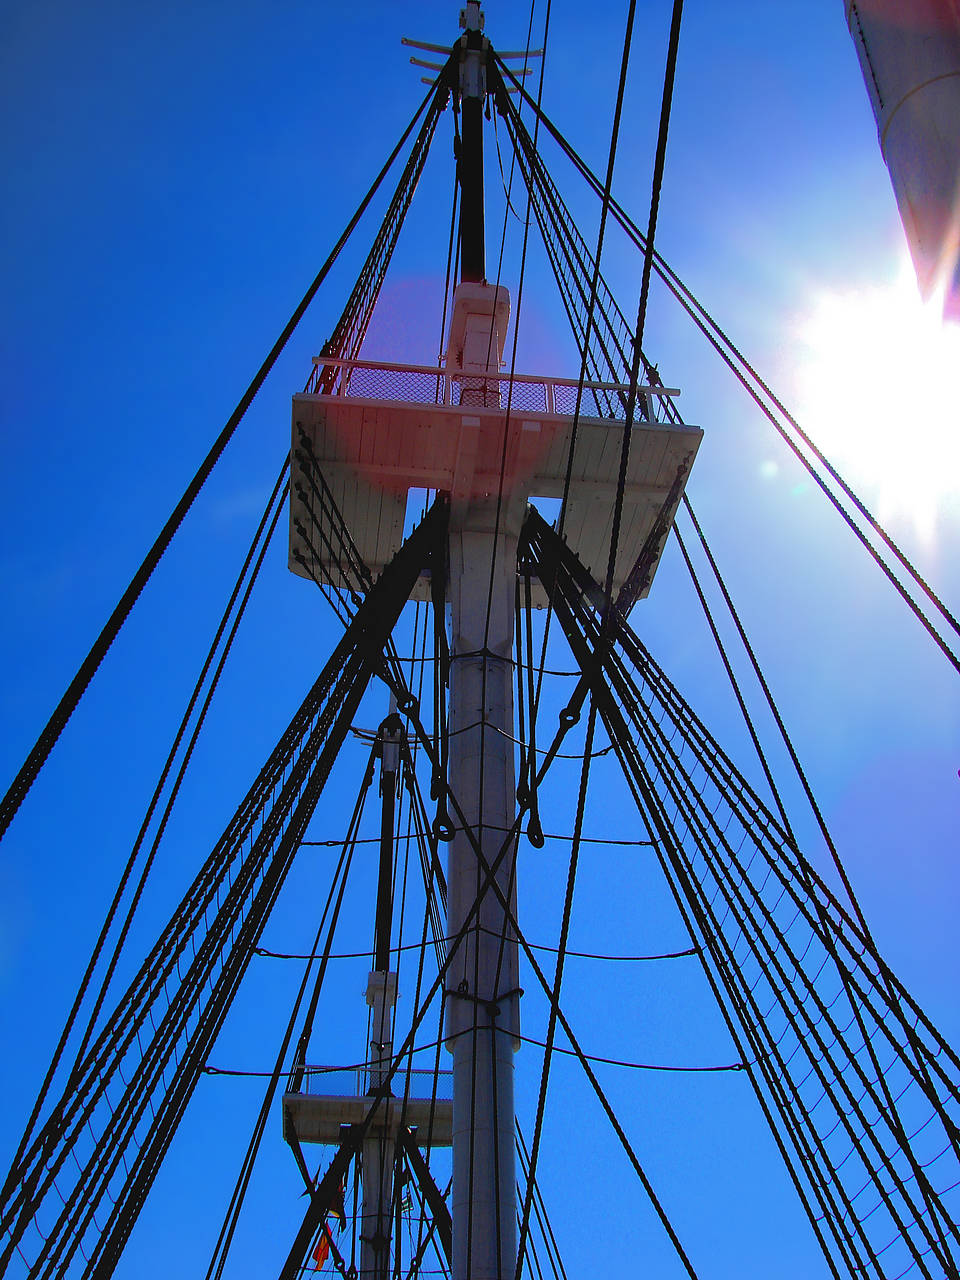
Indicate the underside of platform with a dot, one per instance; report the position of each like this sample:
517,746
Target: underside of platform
371,452
318,1118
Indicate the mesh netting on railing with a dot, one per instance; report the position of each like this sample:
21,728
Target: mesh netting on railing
419,385
352,1082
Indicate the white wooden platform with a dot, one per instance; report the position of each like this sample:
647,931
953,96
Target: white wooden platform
425,429
318,1117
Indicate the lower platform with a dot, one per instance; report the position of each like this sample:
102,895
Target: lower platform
318,1118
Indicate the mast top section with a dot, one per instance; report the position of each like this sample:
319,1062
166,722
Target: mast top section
474,48
471,17
366,434
374,431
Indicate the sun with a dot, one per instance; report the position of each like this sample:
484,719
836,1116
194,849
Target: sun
878,389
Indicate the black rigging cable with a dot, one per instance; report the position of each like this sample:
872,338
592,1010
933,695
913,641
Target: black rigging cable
58,720
348,334
733,903
893,1113
591,717
243,584
734,683
548,835
548,1046
272,817
701,1069
658,168
770,405
550,1240
536,946
488,871
743,924
334,899
854,1003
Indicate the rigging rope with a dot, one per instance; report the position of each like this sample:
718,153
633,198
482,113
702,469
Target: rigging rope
232,1215
549,835
488,870
244,584
771,406
88,668
735,905
672,763
617,516
347,338
536,946
896,1003
658,166
734,683
659,162
272,819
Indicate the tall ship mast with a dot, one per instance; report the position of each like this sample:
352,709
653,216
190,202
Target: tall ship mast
487,536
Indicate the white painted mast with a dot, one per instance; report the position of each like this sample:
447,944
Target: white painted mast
910,58
482,997
482,1017
461,440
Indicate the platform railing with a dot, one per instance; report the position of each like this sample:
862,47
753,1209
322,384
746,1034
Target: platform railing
531,393
352,1081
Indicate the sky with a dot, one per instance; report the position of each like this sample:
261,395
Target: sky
175,176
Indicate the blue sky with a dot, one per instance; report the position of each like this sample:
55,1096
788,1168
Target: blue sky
175,177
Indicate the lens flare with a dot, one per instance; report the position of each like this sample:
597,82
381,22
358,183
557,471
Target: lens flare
878,389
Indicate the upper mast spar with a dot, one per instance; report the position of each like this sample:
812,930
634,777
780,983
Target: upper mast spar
473,90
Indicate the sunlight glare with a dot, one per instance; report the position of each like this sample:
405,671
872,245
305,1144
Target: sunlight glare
877,390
